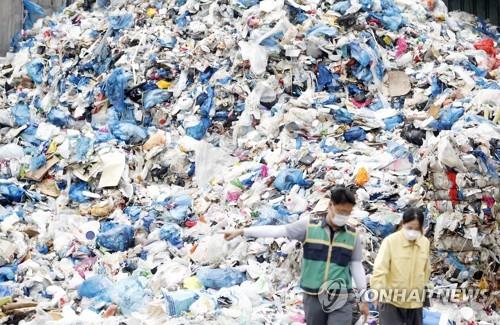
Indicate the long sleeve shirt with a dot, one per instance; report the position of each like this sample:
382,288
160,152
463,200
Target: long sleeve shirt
297,230
401,271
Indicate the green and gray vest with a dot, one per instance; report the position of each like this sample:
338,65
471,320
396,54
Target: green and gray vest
326,260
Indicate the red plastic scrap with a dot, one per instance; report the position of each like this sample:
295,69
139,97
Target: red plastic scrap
453,192
487,45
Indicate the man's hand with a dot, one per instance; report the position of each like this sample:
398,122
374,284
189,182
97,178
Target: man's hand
231,234
364,310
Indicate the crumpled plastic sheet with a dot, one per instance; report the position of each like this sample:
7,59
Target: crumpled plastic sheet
232,114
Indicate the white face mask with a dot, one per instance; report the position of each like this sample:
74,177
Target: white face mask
340,219
411,234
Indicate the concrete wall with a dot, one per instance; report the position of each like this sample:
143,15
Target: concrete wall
52,6
11,21
11,17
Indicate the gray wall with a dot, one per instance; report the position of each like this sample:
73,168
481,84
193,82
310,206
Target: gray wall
11,19
52,6
11,16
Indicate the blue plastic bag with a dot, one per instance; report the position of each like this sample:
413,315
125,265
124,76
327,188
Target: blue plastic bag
277,215
220,278
342,115
37,162
392,122
82,148
33,12
75,192
103,3
117,239
128,132
447,117
431,317
322,30
95,287
326,79
380,230
121,21
155,97
290,177
129,294
355,133
172,233
35,71
21,114
207,103
341,6
180,208
248,3
115,89
179,301
7,273
198,131
359,55
5,291
58,117
10,193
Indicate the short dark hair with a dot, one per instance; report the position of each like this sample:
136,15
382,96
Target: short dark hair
411,214
340,195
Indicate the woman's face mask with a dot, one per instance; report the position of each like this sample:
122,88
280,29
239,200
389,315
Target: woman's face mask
411,234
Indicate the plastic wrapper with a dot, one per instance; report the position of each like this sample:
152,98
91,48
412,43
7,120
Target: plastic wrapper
220,278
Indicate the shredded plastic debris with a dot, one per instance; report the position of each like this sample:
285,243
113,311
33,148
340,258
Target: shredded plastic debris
134,132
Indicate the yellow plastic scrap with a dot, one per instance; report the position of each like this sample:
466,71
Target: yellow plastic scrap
483,284
192,283
361,177
387,40
52,147
150,12
162,84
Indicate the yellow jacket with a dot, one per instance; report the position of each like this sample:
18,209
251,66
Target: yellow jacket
401,270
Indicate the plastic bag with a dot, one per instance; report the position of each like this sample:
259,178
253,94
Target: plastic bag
35,71
355,133
362,177
487,45
21,114
380,230
11,151
95,287
290,177
172,233
121,21
198,131
155,97
33,12
128,132
447,117
392,122
11,193
413,135
272,216
58,117
129,294
342,115
220,278
179,301
118,238
115,89
75,192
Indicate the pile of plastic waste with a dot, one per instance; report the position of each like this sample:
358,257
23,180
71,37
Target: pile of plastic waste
134,132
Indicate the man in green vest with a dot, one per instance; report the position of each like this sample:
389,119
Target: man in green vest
332,257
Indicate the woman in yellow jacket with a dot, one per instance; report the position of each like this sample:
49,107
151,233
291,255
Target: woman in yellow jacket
401,271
